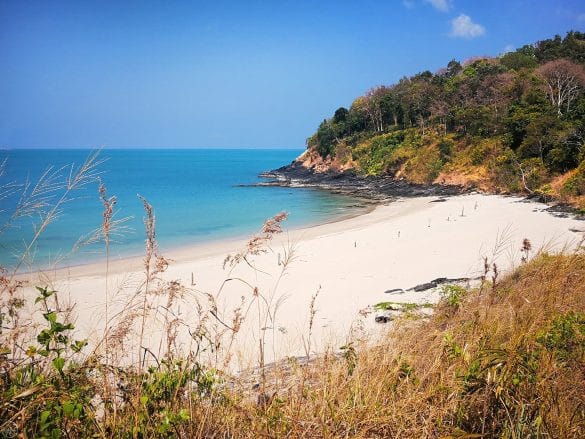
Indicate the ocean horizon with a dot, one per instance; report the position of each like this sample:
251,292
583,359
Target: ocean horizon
196,194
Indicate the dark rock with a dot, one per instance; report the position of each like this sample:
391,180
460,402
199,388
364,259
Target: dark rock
560,214
435,283
440,280
424,287
446,280
383,317
378,188
562,210
395,291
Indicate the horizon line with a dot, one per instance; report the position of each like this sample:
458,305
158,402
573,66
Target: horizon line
5,148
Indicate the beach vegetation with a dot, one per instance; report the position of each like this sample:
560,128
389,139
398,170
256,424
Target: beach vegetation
401,306
452,295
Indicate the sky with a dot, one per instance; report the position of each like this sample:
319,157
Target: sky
231,74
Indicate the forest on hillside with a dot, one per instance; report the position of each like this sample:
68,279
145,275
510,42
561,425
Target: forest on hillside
514,123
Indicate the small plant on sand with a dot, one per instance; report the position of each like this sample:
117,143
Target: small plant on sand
453,295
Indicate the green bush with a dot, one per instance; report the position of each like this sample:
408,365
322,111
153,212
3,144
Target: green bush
576,184
566,336
50,395
375,156
453,295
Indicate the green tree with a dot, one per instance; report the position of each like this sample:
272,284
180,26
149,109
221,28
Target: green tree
523,58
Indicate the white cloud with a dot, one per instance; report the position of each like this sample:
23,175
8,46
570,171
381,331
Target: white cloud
441,5
408,3
464,27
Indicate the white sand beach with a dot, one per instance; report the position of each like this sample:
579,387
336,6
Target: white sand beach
351,263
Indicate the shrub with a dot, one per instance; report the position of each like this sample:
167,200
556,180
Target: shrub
374,155
575,185
453,295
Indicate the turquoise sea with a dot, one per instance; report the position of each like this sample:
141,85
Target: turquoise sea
194,192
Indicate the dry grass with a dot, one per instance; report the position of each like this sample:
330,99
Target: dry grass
505,362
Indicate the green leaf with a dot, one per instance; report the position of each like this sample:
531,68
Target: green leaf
78,345
50,316
58,364
68,408
183,415
45,292
44,336
44,416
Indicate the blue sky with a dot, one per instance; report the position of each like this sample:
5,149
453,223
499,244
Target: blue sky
231,73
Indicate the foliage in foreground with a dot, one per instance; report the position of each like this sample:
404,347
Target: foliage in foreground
505,360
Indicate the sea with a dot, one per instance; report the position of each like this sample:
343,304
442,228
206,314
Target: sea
198,196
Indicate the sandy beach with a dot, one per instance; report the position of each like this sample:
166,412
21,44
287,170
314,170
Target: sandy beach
350,263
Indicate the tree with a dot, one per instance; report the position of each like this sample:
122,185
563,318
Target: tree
391,109
548,50
493,92
340,115
523,58
453,68
370,104
325,138
441,111
571,47
574,46
563,80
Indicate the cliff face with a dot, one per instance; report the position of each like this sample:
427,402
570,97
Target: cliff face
312,160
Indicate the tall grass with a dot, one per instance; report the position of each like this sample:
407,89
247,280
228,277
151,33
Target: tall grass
504,360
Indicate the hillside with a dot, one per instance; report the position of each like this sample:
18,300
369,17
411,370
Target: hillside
513,124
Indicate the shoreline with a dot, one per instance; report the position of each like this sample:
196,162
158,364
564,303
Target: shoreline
182,253
386,188
375,188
